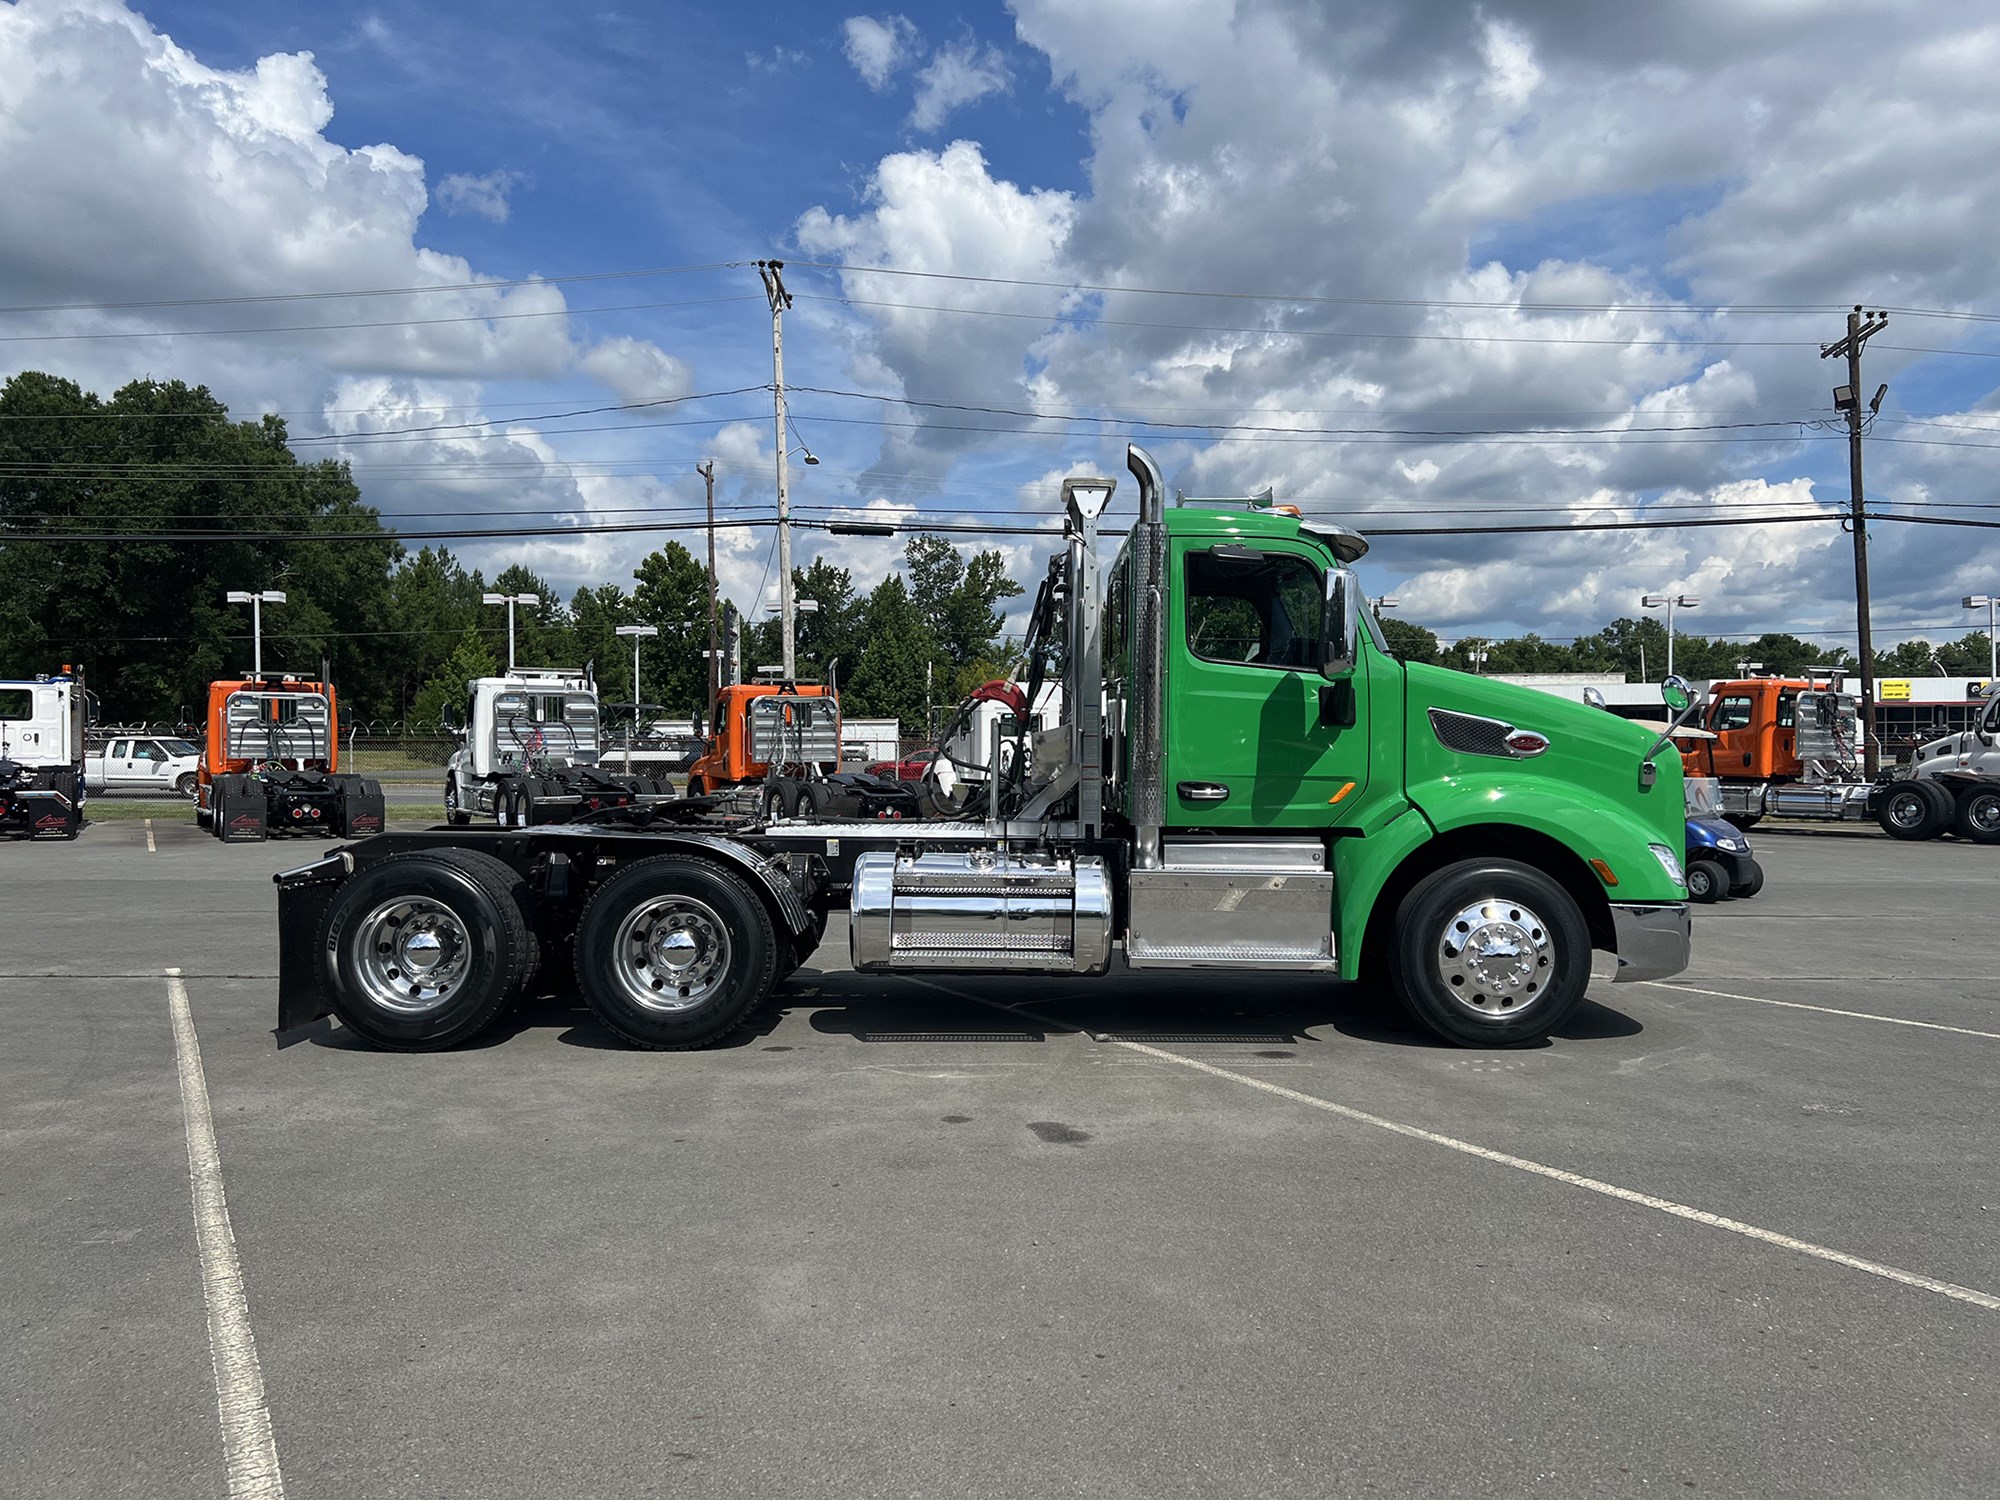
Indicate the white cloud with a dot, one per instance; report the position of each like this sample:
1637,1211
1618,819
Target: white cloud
635,370
485,196
878,48
956,76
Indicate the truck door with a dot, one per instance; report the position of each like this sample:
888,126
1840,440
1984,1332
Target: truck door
118,767
1253,738
1733,751
148,765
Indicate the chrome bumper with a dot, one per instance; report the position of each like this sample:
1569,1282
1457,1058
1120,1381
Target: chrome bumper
1653,941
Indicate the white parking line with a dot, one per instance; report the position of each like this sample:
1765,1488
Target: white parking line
1827,1010
151,847
250,1455
1523,1164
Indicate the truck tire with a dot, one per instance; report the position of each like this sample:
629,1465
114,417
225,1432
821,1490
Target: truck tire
673,952
1749,881
504,883
417,954
1707,881
1909,811
1490,953
1743,822
819,799
1977,815
454,814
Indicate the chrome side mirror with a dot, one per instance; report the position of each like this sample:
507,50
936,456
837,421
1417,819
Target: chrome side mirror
1338,625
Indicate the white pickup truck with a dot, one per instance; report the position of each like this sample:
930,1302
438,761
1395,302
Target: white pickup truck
156,763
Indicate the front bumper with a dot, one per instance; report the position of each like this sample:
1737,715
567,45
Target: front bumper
1653,941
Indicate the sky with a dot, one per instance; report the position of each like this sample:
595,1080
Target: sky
1424,267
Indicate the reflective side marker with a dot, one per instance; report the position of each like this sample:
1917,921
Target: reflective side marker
1603,872
1339,794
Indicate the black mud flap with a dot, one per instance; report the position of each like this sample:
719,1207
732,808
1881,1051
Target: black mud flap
302,901
363,808
242,810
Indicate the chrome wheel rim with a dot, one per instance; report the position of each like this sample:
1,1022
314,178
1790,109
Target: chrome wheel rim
1908,809
1496,958
672,954
412,955
1983,813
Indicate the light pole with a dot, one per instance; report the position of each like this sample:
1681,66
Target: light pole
638,634
791,610
1385,601
1477,656
256,601
1672,602
1992,606
510,600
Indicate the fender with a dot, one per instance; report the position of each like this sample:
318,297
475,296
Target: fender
1591,827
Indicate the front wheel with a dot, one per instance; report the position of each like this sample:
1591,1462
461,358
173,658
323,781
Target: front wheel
1490,953
1750,880
454,814
1706,880
1977,815
673,952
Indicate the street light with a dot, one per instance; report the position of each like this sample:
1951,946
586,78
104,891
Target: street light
638,634
256,601
1385,601
510,600
1672,602
1991,602
1477,656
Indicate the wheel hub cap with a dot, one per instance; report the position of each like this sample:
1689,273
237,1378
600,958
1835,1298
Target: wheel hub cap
412,954
674,954
1495,957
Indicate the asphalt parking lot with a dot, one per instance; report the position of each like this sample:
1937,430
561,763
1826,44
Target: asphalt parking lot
1737,1233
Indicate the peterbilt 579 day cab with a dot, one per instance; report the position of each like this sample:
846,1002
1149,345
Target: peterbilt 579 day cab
531,754
41,755
1242,778
271,764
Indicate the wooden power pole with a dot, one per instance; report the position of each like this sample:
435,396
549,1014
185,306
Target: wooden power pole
1861,327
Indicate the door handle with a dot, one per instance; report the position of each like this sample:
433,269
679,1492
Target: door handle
1202,791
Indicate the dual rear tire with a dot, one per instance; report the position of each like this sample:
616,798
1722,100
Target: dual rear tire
423,951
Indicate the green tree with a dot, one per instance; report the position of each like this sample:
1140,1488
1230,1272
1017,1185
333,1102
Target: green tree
672,593
888,681
955,596
432,602
1408,642
148,473
446,692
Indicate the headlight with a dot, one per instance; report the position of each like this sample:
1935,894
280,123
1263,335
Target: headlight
1734,846
1670,862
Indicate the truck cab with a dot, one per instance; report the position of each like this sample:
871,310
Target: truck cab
271,764
42,756
531,751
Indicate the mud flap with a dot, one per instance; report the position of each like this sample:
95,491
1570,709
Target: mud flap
363,809
242,810
302,902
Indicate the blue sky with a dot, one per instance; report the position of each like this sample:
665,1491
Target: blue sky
1367,198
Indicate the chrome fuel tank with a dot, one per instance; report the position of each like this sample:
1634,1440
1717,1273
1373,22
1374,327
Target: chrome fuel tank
980,909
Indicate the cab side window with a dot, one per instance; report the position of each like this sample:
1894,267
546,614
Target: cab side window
1253,608
1788,710
1730,713
147,750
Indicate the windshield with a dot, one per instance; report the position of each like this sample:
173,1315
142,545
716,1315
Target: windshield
1704,797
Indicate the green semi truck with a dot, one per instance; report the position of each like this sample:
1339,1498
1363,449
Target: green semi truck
1242,778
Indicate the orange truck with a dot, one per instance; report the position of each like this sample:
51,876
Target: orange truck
1790,747
271,764
777,747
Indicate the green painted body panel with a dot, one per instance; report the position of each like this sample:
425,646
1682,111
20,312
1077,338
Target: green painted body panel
1258,730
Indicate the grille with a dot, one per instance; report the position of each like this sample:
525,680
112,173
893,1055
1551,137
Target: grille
1471,735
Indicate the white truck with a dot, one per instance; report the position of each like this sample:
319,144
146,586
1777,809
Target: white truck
41,755
162,764
530,753
1967,765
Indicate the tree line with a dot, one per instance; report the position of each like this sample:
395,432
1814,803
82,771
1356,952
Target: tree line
190,504
193,504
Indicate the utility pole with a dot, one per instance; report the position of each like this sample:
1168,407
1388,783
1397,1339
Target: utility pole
707,473
774,289
1861,327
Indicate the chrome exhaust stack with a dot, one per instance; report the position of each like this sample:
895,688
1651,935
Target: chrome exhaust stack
1149,660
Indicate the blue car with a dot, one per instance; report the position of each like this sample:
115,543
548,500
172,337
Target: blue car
1719,862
